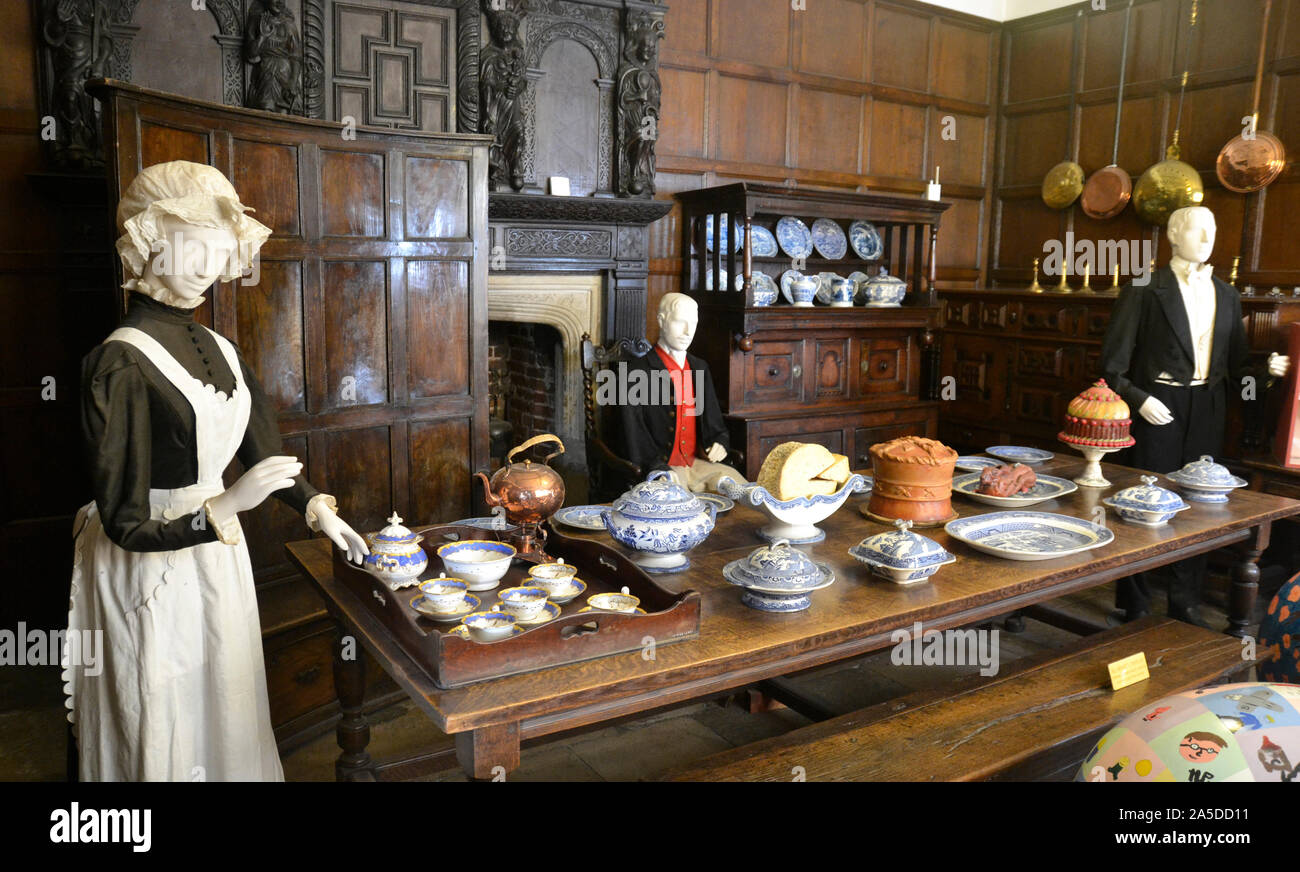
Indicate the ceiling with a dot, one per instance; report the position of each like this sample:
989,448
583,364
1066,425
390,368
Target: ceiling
1004,10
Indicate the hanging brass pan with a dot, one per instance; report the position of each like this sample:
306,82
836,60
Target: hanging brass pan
1063,184
1246,165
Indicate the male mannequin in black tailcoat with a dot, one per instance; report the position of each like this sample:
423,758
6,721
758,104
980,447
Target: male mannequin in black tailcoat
1173,350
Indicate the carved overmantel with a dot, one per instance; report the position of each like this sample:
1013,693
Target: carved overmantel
534,233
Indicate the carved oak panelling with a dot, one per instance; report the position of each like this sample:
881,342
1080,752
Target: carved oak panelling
273,523
272,168
440,467
884,364
559,243
162,142
774,372
274,306
358,470
960,314
1038,405
437,318
352,193
1040,360
832,370
394,67
1046,318
437,198
356,347
631,243
993,314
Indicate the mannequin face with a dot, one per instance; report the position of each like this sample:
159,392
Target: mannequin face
1191,234
189,258
677,325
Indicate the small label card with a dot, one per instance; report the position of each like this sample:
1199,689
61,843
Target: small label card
1128,671
559,186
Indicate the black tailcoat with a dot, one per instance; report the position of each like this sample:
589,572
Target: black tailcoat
646,431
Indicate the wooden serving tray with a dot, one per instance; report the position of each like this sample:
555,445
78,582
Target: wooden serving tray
570,638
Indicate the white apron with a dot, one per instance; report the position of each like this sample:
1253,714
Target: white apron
182,692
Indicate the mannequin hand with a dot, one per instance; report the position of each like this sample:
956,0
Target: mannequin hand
1155,412
716,452
263,479
342,534
1278,364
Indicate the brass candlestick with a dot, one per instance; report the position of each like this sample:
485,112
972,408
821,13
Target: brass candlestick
1086,288
1064,287
1232,276
1036,288
1114,283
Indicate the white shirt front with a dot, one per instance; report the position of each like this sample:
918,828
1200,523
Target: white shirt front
1197,287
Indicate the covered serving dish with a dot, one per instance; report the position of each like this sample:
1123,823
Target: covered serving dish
659,520
395,554
1146,503
1204,481
793,520
778,578
901,555
883,290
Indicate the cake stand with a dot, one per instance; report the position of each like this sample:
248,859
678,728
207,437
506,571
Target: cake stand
1091,476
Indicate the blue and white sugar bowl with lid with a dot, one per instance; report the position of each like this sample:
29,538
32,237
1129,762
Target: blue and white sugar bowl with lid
778,577
659,520
1147,503
1204,481
900,555
395,554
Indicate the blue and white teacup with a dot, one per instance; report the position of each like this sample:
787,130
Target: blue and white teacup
444,594
525,603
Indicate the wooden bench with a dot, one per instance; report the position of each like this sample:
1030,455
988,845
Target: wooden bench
1035,720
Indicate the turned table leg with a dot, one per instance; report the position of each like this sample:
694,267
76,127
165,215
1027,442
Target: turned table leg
489,753
353,731
1245,582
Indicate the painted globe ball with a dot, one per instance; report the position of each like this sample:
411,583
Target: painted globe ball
1279,636
1232,732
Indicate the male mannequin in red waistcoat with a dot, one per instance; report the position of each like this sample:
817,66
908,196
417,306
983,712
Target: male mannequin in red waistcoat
683,433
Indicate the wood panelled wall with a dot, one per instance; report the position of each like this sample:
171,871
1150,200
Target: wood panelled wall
1071,56
845,93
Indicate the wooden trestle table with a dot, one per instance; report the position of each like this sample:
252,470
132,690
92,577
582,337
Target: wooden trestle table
738,646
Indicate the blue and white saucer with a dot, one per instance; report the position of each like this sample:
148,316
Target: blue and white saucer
829,240
763,242
421,605
463,631
1019,454
582,517
577,587
637,611
549,612
723,504
794,237
865,239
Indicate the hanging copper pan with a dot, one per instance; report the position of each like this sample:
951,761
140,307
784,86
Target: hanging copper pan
1247,164
1108,190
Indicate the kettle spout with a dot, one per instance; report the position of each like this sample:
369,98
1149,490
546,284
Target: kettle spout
488,496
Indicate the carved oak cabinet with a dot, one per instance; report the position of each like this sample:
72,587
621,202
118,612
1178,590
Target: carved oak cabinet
843,377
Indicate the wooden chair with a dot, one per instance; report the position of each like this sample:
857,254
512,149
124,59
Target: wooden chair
610,474
1035,720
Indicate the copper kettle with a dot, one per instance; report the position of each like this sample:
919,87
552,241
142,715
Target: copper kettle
530,492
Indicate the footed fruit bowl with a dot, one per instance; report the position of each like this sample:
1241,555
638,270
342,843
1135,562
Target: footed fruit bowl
793,520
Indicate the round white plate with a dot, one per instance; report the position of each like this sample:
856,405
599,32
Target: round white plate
794,237
1047,487
829,239
1019,535
1019,454
582,517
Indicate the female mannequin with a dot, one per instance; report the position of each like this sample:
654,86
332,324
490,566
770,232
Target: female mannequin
160,565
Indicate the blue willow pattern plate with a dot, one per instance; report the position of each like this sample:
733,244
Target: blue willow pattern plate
865,239
1028,535
708,233
1019,454
764,243
973,463
794,236
828,239
1047,487
582,517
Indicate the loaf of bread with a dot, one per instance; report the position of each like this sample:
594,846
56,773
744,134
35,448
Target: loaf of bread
797,469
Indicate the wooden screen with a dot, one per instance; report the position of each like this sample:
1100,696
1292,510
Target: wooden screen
368,326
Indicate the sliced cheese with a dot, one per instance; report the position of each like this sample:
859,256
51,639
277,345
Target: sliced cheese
819,486
837,472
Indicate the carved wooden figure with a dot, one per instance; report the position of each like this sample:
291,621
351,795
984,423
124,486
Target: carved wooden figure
273,51
501,82
639,94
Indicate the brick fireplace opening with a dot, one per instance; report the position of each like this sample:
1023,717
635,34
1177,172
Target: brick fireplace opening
535,326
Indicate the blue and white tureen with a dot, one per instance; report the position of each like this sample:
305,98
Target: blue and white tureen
659,520
1146,503
1204,481
793,520
778,578
884,291
901,555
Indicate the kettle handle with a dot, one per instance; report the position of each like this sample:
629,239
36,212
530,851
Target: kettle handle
537,440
